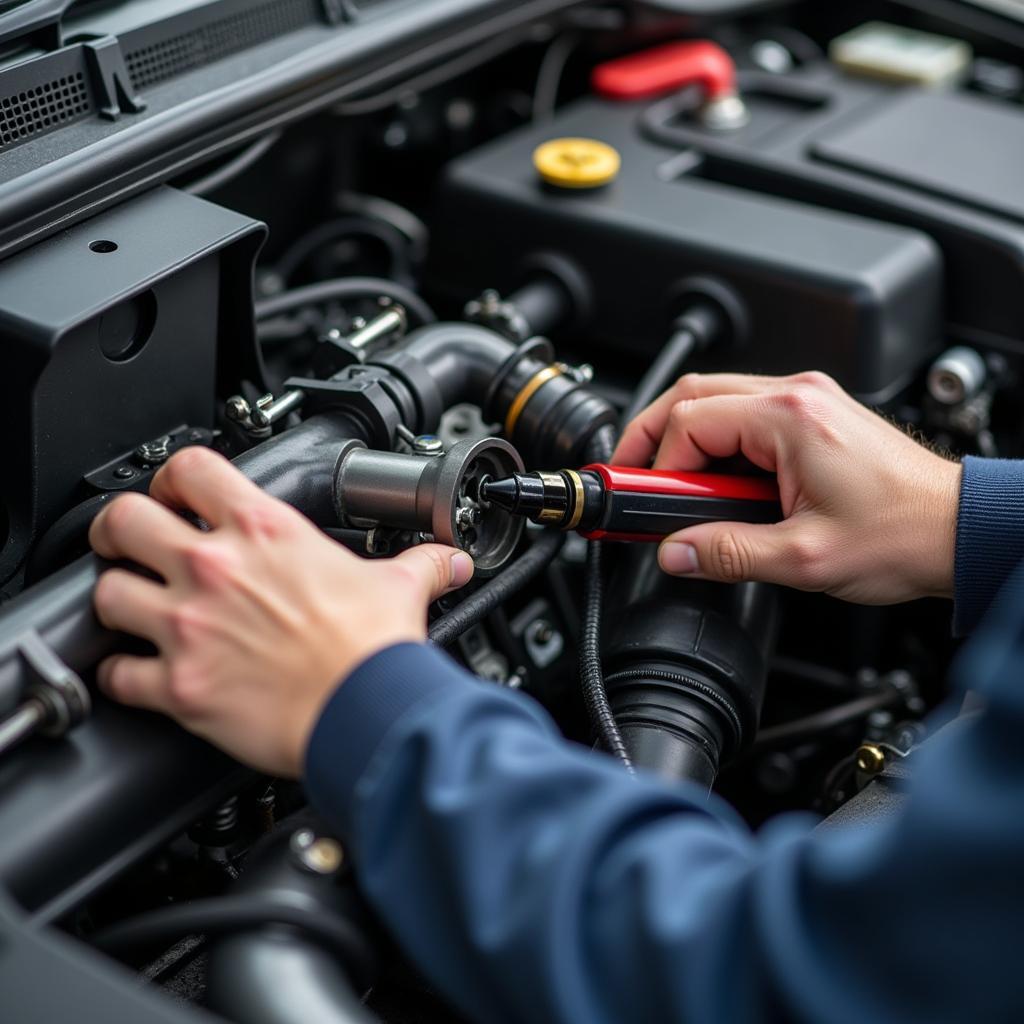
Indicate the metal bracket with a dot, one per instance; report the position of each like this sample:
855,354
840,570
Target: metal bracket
111,81
63,694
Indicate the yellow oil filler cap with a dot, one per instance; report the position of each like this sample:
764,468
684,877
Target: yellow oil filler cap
577,163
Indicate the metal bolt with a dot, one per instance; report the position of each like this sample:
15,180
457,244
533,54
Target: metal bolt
427,444
268,410
124,472
870,759
154,452
237,408
391,321
542,631
725,113
319,854
466,518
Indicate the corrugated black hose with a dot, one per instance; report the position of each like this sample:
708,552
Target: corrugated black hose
591,673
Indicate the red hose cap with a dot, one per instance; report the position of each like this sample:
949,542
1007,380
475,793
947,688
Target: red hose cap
665,68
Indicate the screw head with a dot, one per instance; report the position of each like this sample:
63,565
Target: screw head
237,408
124,472
427,444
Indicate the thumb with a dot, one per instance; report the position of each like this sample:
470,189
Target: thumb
436,569
735,552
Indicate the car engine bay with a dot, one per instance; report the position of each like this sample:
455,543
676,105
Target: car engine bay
381,253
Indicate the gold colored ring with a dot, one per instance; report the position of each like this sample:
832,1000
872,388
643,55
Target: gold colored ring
577,512
532,386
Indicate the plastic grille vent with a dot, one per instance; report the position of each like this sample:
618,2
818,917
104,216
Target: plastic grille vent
197,47
42,108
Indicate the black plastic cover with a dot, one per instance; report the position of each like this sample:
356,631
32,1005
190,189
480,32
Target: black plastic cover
857,298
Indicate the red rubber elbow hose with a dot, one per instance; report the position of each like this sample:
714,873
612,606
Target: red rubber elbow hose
665,68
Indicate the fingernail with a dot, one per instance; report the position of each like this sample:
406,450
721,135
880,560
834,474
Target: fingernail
678,558
103,675
462,569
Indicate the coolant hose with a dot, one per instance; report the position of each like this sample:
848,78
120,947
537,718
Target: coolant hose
226,914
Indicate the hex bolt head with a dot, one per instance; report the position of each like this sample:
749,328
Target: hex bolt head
154,452
466,518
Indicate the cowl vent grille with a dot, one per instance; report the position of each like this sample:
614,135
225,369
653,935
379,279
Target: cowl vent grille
38,109
174,54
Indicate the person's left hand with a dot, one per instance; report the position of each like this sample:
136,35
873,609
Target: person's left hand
258,620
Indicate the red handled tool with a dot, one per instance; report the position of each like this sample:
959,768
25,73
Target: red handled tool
619,503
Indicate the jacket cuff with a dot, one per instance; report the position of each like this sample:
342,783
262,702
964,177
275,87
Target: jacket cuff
989,536
360,714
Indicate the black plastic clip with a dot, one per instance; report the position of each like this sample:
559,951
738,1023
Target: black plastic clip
337,11
111,81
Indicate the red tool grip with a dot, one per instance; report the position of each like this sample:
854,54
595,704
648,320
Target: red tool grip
664,68
694,485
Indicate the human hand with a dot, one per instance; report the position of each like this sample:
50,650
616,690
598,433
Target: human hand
870,513
258,620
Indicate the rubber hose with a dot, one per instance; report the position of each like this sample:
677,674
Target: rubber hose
233,914
591,673
346,288
662,372
694,331
447,629
65,540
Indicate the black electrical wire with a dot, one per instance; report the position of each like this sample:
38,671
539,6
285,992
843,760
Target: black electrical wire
481,54
820,675
342,289
662,372
697,328
238,165
227,914
812,726
449,627
307,245
389,212
549,75
595,695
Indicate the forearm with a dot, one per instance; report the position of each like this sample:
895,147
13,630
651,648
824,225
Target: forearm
533,881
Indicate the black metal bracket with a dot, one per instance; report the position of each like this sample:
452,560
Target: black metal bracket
55,685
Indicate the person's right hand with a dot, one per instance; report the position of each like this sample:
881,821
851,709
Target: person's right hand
870,513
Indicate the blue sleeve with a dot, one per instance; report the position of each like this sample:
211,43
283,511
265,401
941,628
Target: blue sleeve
534,881
989,536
